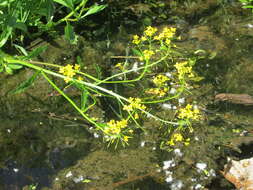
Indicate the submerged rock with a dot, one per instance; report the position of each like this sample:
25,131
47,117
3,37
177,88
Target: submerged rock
240,173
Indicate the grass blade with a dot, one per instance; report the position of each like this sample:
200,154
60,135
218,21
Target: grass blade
25,84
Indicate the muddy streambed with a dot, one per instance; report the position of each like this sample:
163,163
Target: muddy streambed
44,142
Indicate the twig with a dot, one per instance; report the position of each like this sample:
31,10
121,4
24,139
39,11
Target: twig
126,57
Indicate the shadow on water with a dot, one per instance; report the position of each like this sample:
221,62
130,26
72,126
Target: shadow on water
33,150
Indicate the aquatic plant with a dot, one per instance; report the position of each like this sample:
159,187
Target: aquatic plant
19,17
247,4
155,53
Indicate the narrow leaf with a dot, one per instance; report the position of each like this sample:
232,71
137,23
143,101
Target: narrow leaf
70,34
94,9
248,7
1,68
49,10
4,36
136,52
20,25
25,84
15,66
66,3
8,70
21,49
37,51
84,98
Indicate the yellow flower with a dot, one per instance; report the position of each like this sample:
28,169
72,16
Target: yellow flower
159,80
150,31
178,137
147,55
119,65
187,142
169,32
80,78
135,103
183,69
159,37
167,42
77,67
115,127
157,91
67,79
143,38
67,71
125,138
136,39
189,113
170,142
166,34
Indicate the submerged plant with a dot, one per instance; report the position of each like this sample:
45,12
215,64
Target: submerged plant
247,4
173,76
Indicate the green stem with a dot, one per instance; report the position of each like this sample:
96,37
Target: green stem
69,100
94,86
71,13
129,71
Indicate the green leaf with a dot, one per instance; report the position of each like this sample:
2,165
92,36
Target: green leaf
163,47
248,7
11,21
94,9
1,68
197,79
15,66
84,95
20,25
49,10
136,52
70,34
4,36
79,61
98,71
8,70
25,84
66,3
21,49
4,3
78,1
35,52
84,98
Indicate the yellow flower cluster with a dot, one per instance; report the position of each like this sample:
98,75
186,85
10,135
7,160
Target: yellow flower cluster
69,71
150,31
135,103
183,69
115,127
166,34
189,113
177,137
157,91
136,39
147,55
159,80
